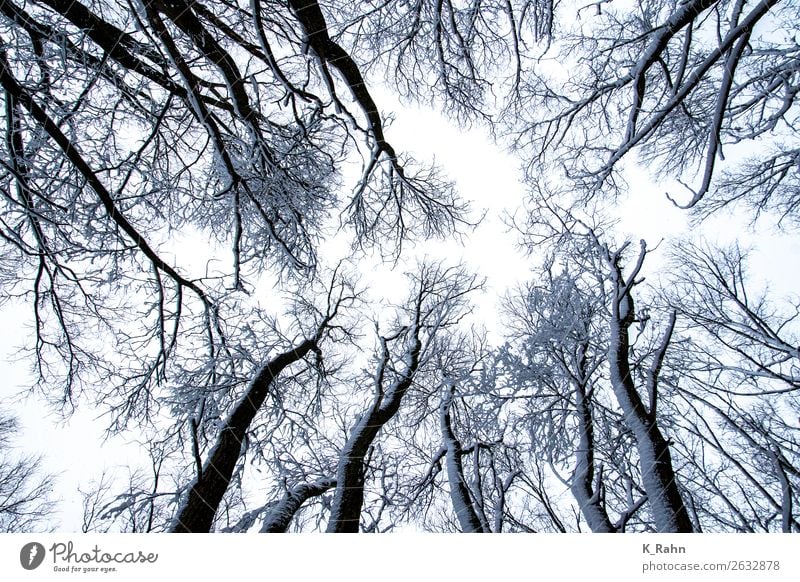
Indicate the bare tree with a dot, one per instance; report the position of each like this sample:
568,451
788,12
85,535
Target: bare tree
197,512
26,500
634,371
437,302
130,122
459,492
742,462
658,474
554,362
171,172
480,469
753,344
128,125
450,53
738,377
456,468
675,84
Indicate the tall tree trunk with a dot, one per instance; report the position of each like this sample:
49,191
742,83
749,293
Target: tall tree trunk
349,496
583,487
459,492
658,476
198,509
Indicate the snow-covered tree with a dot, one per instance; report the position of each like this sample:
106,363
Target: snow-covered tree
438,301
735,375
26,499
699,91
177,179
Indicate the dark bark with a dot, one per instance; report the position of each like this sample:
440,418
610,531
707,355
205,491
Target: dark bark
180,13
77,160
118,44
197,512
786,495
310,16
658,476
349,497
280,516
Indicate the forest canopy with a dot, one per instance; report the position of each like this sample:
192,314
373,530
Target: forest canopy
176,181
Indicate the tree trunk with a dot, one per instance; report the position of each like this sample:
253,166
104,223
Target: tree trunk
205,495
589,501
349,496
281,515
658,475
459,493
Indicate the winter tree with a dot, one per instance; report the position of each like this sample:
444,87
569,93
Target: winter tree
555,362
190,192
738,379
438,301
129,126
26,499
676,86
